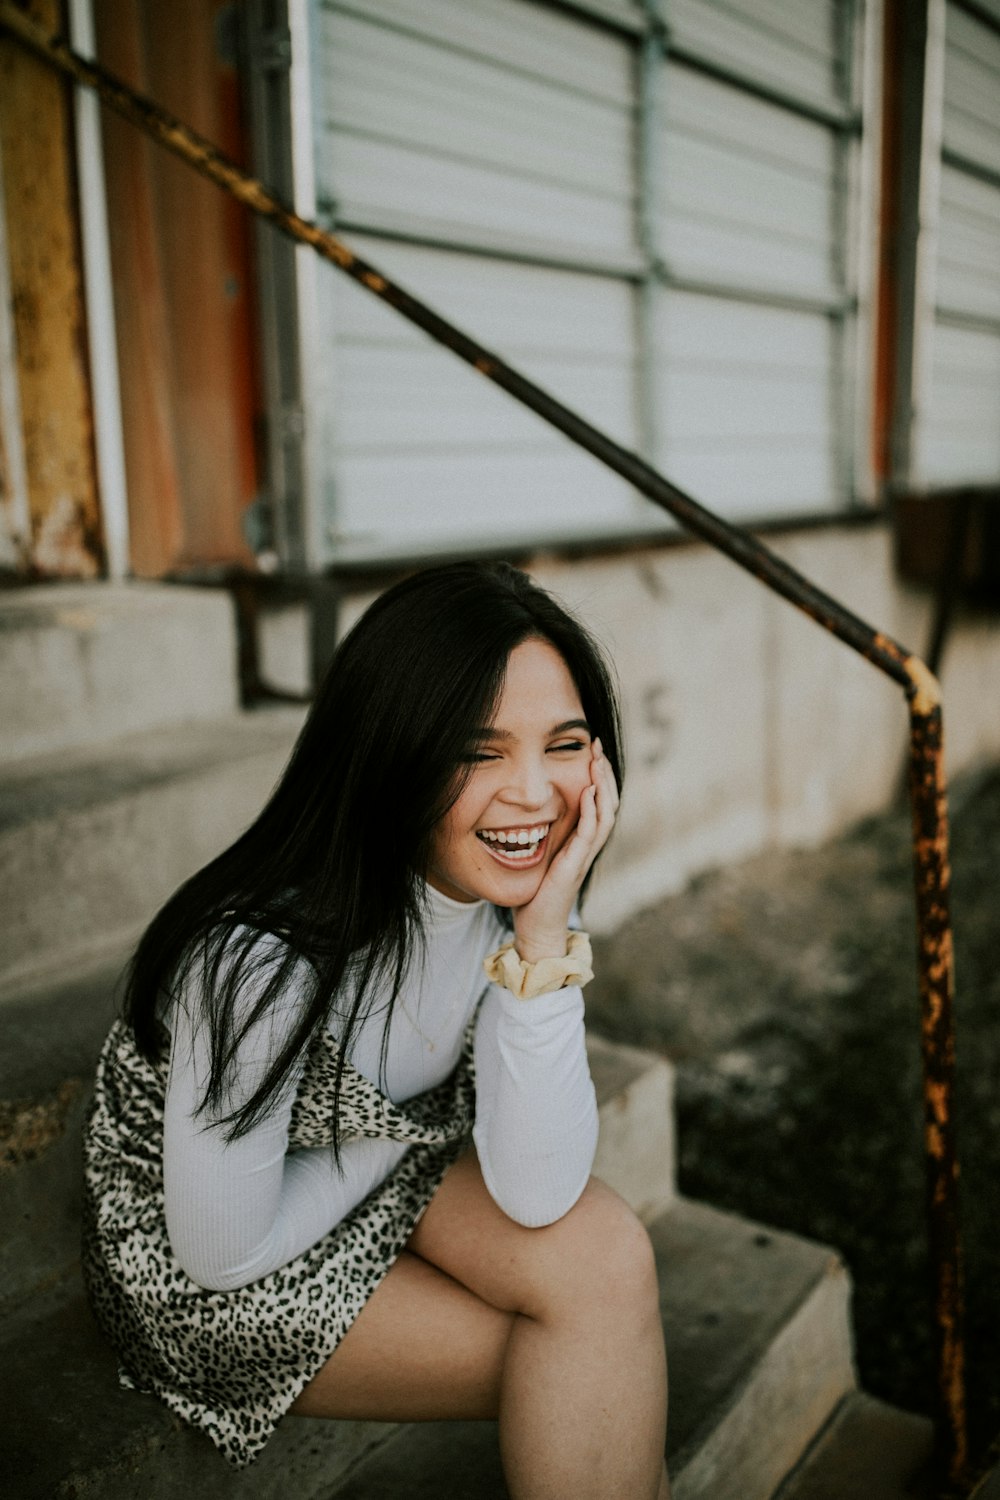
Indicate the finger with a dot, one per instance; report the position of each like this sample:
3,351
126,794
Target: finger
605,778
603,775
606,800
587,823
573,859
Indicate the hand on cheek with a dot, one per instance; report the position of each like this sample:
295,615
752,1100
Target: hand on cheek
540,926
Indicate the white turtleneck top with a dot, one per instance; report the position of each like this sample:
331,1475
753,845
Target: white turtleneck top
239,1209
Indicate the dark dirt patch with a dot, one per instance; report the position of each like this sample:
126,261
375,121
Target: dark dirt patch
785,990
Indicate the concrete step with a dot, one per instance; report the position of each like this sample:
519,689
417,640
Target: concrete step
757,1336
55,1372
93,840
49,1043
988,1487
869,1450
81,664
636,1148
756,1325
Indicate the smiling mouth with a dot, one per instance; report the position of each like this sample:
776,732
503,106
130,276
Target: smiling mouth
515,848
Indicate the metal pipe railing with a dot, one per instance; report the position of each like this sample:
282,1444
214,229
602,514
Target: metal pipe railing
927,785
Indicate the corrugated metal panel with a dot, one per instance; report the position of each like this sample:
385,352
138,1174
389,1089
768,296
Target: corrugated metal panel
628,13
497,124
423,453
963,423
968,277
972,89
749,192
960,428
513,128
789,45
748,404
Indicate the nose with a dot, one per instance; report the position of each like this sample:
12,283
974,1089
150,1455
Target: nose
529,784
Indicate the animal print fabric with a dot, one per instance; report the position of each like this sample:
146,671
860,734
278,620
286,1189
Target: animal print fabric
232,1363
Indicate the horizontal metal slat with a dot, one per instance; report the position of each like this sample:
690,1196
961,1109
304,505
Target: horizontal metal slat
748,193
968,271
769,43
961,437
748,411
417,132
408,420
971,125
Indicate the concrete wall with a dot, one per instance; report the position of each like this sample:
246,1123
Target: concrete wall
747,724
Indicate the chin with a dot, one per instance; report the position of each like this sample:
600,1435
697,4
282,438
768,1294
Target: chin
517,891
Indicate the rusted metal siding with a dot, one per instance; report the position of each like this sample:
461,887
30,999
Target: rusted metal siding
48,310
182,296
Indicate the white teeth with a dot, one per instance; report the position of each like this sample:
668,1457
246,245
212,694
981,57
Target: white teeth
515,839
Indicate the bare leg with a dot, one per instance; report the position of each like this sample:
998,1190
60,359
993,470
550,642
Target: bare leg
423,1349
584,1393
556,1331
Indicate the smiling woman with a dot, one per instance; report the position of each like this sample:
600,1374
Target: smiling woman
339,1157
534,772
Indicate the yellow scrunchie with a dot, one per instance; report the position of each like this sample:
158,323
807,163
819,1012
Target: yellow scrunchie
525,980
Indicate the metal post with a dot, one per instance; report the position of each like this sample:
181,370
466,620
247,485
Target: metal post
932,874
927,784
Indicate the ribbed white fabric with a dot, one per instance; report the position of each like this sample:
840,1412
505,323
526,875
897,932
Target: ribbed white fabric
237,1210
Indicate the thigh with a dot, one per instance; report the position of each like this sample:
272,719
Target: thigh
423,1348
598,1251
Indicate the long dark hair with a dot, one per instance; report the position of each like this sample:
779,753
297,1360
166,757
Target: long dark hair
333,868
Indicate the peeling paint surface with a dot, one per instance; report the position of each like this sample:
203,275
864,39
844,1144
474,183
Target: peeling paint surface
48,310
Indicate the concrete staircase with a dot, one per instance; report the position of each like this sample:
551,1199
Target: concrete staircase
125,764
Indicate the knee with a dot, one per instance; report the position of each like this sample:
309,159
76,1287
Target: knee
603,1259
620,1253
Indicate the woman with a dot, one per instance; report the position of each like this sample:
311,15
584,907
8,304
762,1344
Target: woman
284,1211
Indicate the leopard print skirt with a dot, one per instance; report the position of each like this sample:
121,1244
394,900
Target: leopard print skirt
232,1363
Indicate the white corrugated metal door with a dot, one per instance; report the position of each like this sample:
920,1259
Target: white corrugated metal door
495,143
652,220
757,136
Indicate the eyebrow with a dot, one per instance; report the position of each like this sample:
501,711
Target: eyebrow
505,734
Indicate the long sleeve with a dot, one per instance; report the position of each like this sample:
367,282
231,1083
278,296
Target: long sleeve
239,1209
536,1112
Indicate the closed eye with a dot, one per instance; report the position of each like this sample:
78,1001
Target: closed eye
569,745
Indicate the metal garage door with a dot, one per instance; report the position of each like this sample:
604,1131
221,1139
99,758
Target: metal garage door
652,212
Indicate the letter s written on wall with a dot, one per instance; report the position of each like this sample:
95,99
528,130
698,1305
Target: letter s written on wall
656,724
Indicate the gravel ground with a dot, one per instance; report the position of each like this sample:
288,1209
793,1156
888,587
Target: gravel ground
784,989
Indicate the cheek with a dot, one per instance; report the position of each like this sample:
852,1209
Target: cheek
457,824
572,786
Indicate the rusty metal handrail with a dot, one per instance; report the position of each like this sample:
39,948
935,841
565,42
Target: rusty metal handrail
927,784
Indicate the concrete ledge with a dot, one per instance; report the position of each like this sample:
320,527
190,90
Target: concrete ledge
91,843
870,1450
759,1357
70,1431
103,1441
636,1151
85,663
757,1347
48,1049
758,1334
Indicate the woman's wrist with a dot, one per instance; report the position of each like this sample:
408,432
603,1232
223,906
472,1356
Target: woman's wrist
544,945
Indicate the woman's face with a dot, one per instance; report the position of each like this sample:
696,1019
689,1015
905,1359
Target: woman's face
522,798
